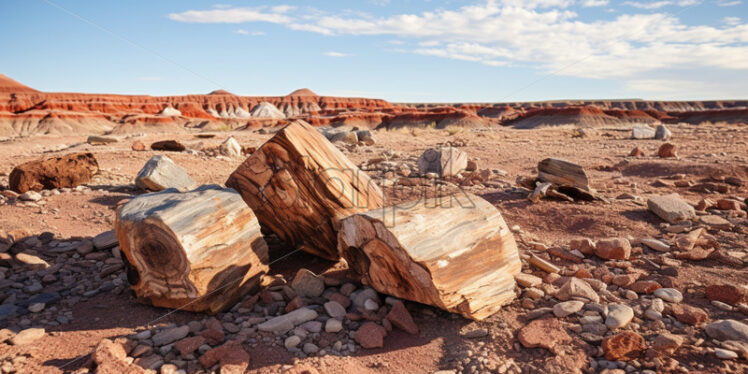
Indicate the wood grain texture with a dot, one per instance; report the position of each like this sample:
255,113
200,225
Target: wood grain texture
454,252
300,186
563,173
199,251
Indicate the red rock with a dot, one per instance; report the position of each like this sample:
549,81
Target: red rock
728,204
294,304
138,146
370,335
637,152
58,172
168,145
584,245
613,249
400,317
213,323
645,286
623,280
109,358
624,346
230,354
213,336
688,314
564,254
108,350
705,204
696,254
188,345
235,360
726,293
544,333
667,150
583,273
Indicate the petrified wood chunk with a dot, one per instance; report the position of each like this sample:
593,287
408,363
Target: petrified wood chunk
563,173
199,251
300,186
56,172
454,252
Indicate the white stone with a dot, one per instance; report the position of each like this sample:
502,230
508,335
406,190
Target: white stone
160,173
230,148
292,342
288,321
567,307
725,354
619,315
669,294
333,325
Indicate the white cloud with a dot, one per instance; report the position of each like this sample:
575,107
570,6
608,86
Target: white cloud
543,34
728,3
647,5
149,79
245,32
396,42
336,54
594,3
234,15
731,21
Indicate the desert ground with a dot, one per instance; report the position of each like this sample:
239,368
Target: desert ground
610,284
87,299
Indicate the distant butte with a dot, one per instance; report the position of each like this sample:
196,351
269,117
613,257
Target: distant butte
8,85
303,92
25,111
221,92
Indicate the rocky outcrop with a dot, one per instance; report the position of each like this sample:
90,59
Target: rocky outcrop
57,172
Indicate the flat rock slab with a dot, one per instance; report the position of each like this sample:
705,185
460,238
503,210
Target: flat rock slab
671,208
728,329
288,321
543,333
160,173
27,336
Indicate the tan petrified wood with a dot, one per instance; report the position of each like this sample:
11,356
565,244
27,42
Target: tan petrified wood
300,186
454,252
199,251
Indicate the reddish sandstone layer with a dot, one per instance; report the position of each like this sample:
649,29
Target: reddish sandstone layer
25,111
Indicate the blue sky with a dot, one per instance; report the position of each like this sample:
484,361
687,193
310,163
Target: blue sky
408,50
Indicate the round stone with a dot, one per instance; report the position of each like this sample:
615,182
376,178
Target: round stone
619,315
36,307
370,305
669,294
292,341
333,325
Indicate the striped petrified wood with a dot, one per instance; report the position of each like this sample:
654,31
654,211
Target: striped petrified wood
300,186
199,251
454,252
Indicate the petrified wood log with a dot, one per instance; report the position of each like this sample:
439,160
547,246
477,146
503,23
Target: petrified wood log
454,252
57,172
199,251
300,186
